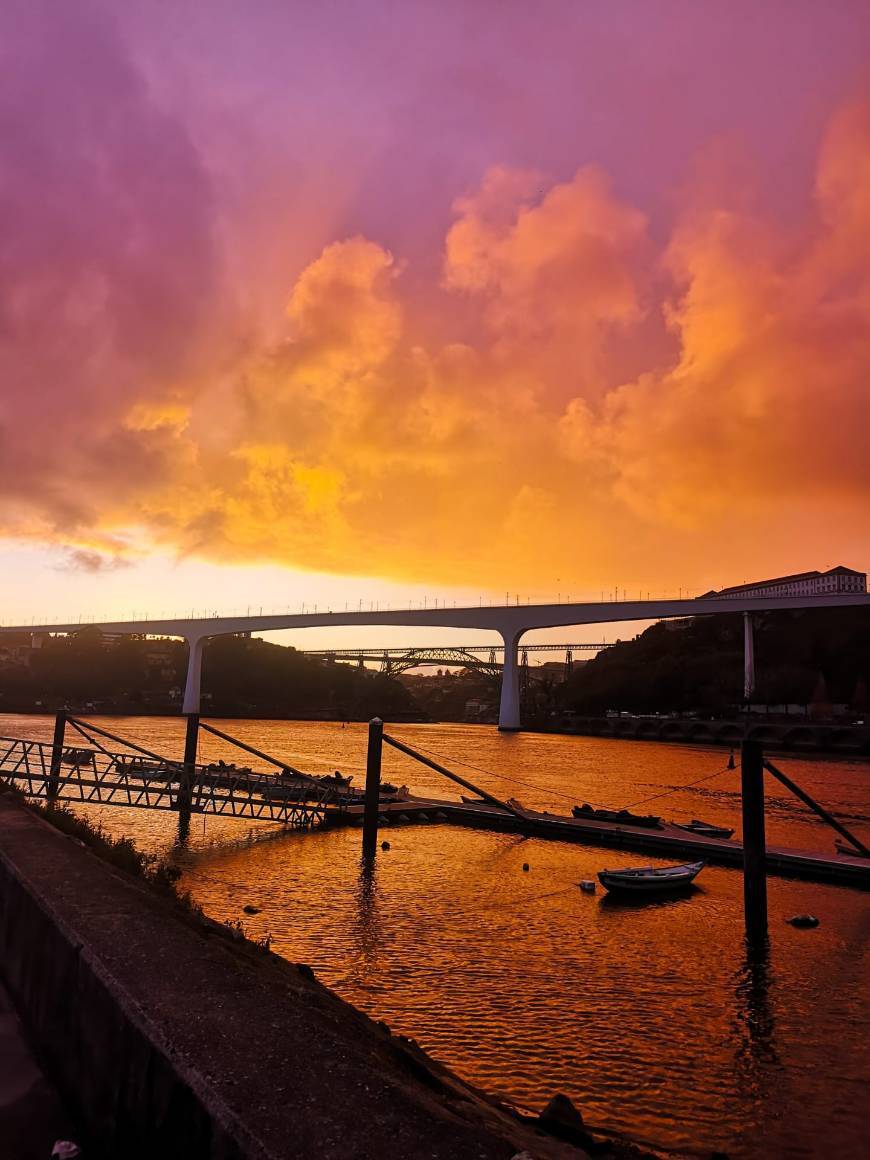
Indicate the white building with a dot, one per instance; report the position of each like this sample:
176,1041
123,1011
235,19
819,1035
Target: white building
839,579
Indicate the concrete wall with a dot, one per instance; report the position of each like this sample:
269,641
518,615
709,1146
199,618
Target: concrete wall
822,738
170,1039
118,1080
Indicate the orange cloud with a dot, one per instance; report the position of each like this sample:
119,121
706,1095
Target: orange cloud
518,448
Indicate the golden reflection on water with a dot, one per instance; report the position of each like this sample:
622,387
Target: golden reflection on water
653,1015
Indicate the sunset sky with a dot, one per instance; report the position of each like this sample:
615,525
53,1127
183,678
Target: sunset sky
336,301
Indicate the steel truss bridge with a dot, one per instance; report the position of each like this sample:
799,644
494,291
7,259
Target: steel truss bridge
488,659
94,775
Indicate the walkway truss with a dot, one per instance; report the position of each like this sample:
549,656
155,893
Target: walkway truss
96,776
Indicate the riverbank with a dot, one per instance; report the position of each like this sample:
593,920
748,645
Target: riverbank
168,1037
836,740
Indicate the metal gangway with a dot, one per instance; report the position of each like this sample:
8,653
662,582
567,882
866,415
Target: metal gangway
92,774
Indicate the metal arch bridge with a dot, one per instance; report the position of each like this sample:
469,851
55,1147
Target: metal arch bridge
484,658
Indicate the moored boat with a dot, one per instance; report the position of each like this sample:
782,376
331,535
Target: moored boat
704,829
336,780
619,817
650,879
77,757
144,768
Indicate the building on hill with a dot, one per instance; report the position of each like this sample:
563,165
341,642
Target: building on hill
830,583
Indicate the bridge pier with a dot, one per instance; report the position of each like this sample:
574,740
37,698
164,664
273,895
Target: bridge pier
509,702
193,680
748,657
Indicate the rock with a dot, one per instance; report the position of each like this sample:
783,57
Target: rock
305,970
251,909
803,920
561,1118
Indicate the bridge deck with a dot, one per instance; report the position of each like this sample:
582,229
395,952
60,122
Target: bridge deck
668,840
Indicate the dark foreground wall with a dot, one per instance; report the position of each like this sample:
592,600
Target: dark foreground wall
103,1052
168,1040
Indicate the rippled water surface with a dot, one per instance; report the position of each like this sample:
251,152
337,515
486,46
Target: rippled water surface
648,1015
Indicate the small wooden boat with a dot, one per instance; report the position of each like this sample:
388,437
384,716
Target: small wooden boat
705,829
226,775
619,817
78,757
651,879
133,765
336,780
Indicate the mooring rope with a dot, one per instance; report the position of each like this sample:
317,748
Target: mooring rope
677,788
560,793
491,773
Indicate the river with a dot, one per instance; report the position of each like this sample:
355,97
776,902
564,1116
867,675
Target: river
650,1016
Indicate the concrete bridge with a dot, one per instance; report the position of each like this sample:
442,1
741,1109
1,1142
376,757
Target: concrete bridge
511,622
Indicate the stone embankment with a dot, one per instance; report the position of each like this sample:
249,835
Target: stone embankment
842,740
168,1038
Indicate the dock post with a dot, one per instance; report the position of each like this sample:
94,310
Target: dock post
51,789
373,787
754,858
185,788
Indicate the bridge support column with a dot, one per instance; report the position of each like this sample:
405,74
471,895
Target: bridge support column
509,703
748,658
194,674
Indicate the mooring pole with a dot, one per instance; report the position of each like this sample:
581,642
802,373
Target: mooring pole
185,788
754,860
373,787
56,757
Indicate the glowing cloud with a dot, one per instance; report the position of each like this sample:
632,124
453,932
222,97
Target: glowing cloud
571,387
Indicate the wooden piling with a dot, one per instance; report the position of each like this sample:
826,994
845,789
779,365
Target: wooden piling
373,787
56,756
754,856
185,788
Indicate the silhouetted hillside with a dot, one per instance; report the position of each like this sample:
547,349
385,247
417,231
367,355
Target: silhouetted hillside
241,676
801,657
